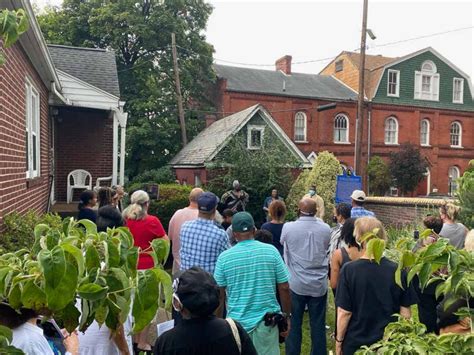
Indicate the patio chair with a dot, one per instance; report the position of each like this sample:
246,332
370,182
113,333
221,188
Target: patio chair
99,181
81,179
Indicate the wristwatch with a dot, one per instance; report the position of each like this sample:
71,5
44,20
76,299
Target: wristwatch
286,315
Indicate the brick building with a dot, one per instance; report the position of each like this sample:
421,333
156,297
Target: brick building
421,98
59,111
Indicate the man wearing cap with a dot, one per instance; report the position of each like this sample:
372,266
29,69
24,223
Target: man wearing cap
358,199
306,243
249,274
186,214
196,297
235,199
202,240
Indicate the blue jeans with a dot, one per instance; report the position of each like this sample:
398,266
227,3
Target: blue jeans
317,320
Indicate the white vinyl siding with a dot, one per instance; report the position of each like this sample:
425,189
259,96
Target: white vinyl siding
255,137
32,123
425,132
458,90
455,135
393,83
300,127
427,82
341,129
391,131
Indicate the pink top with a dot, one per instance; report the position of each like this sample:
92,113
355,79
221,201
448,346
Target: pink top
180,216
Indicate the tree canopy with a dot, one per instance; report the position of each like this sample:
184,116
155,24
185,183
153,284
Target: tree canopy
408,167
139,31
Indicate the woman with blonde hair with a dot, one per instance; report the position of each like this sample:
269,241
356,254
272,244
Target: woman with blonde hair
367,295
144,229
454,232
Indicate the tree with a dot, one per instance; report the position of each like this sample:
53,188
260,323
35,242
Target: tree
323,175
140,33
13,24
407,167
297,191
379,176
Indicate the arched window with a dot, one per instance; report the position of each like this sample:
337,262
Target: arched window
455,138
428,66
341,129
391,131
425,132
300,127
453,176
427,82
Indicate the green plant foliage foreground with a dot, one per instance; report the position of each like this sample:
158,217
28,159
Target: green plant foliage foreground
407,336
12,25
75,262
465,195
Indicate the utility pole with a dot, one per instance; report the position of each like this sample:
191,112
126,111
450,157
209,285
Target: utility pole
179,98
360,102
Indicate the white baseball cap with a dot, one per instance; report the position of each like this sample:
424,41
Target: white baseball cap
358,195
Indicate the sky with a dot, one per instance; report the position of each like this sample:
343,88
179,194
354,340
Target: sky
259,32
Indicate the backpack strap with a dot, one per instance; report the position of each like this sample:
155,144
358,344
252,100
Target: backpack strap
235,332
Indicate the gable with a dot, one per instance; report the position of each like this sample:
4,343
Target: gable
408,66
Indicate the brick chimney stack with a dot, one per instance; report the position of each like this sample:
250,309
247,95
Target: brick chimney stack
210,119
284,64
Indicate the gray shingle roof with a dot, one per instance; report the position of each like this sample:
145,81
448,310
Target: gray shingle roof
209,140
94,66
277,83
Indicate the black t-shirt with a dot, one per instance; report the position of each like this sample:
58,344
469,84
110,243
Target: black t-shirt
275,229
369,291
87,213
203,336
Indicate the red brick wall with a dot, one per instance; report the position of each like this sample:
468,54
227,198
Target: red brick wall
84,140
16,193
188,175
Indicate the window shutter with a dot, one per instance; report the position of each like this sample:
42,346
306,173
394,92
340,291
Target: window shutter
417,85
435,84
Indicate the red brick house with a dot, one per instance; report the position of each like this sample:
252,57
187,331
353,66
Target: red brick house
428,103
60,110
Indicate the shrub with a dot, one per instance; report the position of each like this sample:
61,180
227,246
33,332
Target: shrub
163,175
297,191
172,198
19,229
465,195
379,176
323,175
407,167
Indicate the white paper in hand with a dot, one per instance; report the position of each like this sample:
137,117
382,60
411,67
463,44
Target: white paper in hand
164,327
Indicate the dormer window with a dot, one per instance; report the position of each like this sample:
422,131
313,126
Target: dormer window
427,82
255,137
458,90
339,65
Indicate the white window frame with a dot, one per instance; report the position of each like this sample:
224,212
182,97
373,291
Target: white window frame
452,184
427,143
458,124
433,93
32,129
396,130
461,93
397,84
346,138
301,115
250,129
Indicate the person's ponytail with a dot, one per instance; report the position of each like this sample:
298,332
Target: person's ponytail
138,208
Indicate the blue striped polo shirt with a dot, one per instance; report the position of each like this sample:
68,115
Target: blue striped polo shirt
250,272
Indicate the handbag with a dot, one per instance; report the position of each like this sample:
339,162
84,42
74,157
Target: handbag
235,332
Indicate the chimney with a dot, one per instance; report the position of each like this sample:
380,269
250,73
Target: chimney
210,119
284,64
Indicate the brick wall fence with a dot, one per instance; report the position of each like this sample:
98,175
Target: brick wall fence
399,211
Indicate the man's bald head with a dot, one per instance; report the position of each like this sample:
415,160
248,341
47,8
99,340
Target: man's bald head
307,206
194,194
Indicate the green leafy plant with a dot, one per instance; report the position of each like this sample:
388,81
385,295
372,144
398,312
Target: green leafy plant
75,262
374,245
379,176
297,191
12,25
465,196
408,336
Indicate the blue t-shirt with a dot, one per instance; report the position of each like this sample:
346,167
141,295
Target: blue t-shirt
275,229
250,272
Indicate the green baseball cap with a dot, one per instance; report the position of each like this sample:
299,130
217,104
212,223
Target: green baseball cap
242,222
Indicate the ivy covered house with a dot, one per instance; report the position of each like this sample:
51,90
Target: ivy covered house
252,129
422,99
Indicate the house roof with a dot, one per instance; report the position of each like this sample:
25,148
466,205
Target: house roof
205,146
93,66
279,83
371,61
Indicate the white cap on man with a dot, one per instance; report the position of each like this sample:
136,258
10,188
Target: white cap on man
358,195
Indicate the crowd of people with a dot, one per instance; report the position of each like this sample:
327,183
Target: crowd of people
240,290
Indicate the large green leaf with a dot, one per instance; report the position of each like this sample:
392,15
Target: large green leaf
14,297
166,283
145,303
33,297
92,258
112,255
92,292
3,275
424,275
69,317
160,251
53,264
117,280
65,291
91,227
101,312
6,332
132,261
375,248
77,254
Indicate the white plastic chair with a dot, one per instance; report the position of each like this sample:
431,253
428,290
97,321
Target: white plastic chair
98,182
79,181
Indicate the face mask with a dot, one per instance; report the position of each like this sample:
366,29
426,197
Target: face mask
312,192
334,219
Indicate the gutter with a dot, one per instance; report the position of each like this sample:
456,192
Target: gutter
59,95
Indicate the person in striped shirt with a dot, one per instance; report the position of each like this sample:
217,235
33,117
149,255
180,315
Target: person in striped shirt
249,275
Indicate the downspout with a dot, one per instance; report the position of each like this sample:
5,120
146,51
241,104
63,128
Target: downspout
114,147
369,116
59,95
